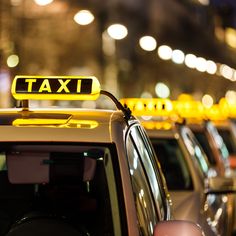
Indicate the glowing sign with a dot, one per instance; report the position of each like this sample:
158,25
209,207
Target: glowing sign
55,87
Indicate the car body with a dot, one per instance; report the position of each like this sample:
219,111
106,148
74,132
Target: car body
79,171
185,166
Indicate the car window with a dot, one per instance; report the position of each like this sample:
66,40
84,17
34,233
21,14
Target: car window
75,184
203,140
218,140
173,163
144,200
150,165
195,150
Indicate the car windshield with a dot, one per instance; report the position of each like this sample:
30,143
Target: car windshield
173,163
66,186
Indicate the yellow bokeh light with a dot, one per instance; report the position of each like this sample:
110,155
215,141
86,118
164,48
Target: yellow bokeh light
230,37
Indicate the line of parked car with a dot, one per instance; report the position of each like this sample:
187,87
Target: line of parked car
138,170
194,158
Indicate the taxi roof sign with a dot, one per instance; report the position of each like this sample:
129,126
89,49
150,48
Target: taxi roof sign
149,106
55,88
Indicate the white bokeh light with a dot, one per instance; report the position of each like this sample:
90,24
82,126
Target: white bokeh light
12,60
162,90
227,72
190,60
83,17
117,31
204,2
177,56
146,94
201,64
211,67
207,100
148,43
164,52
230,96
43,2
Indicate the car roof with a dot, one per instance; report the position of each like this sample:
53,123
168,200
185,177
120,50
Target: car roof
84,125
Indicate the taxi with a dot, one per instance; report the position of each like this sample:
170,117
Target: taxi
186,167
206,133
79,171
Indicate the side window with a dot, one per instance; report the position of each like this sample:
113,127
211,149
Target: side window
202,139
145,206
218,140
151,169
195,150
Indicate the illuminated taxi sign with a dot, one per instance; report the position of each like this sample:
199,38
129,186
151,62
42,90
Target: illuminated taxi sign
189,109
228,106
158,125
55,88
216,113
148,106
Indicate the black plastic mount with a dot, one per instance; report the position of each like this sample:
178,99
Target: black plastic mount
126,111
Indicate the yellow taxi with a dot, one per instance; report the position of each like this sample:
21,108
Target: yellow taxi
206,133
79,171
186,168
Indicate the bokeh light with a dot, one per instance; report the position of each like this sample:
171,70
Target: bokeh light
117,31
12,60
162,90
177,56
201,64
230,95
43,2
211,67
207,100
226,71
146,94
148,43
164,52
83,17
190,60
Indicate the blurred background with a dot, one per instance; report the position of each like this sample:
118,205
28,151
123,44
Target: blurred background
136,48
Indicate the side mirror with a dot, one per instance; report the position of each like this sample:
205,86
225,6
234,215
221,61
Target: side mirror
176,228
220,185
